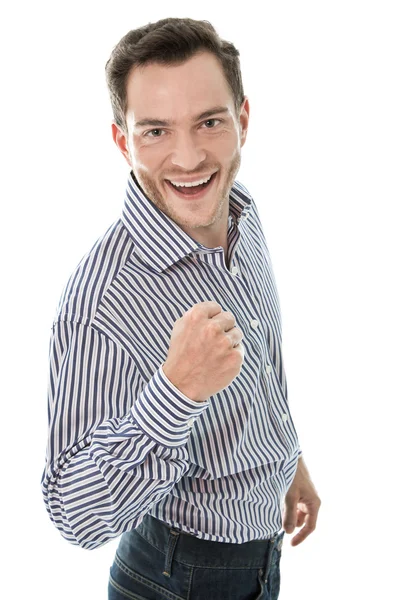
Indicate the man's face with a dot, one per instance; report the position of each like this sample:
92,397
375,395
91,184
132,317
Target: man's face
171,139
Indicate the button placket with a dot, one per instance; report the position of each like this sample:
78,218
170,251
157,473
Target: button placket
235,271
254,323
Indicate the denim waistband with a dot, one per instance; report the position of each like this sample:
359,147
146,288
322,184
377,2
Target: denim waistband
191,550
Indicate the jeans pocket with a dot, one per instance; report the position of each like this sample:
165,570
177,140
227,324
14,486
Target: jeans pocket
119,592
141,585
138,572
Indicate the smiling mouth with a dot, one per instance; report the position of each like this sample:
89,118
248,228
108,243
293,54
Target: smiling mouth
192,192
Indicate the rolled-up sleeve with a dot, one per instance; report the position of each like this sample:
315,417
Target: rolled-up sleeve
112,452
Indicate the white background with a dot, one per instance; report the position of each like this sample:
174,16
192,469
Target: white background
322,163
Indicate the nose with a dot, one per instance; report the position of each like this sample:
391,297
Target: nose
186,153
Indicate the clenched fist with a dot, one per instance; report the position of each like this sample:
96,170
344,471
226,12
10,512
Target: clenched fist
205,353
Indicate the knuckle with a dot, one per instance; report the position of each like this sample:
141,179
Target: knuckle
213,328
195,314
226,342
238,358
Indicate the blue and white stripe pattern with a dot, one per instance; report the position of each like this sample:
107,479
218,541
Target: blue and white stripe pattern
123,440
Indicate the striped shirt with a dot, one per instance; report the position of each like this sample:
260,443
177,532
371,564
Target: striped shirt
123,440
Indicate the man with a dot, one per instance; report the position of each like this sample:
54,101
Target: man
168,423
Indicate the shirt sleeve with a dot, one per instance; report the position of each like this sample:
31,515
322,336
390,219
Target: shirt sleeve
115,447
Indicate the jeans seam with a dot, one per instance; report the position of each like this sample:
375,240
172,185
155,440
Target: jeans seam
145,581
190,583
121,589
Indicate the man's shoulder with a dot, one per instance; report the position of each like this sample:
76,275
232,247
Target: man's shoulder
93,275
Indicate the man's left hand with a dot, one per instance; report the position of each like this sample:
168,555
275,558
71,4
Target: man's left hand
302,504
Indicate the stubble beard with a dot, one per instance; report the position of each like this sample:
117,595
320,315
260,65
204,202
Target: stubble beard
152,192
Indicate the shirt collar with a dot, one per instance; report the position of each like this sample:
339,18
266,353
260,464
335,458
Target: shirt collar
159,240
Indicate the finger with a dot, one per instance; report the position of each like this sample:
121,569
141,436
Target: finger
308,528
300,518
290,517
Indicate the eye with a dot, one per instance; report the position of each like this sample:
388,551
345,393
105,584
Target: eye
152,131
211,121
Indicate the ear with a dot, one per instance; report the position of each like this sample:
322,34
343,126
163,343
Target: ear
120,139
244,120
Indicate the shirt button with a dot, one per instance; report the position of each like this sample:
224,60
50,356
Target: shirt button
254,323
284,417
190,422
234,270
269,369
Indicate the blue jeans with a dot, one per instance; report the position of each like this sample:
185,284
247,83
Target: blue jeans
159,562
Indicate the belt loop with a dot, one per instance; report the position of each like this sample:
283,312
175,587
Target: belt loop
172,539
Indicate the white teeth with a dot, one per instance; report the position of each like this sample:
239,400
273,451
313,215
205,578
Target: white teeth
192,183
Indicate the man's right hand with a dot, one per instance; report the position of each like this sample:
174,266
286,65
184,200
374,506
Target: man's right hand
205,353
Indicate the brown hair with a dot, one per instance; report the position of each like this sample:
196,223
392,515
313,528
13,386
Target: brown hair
168,41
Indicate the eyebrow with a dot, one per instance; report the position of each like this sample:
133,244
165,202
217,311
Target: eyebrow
160,123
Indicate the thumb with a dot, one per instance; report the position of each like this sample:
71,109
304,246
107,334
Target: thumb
290,516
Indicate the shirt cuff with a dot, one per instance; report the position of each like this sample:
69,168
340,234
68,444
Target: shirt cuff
164,413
